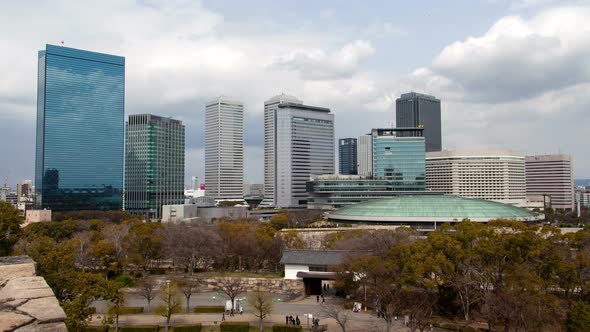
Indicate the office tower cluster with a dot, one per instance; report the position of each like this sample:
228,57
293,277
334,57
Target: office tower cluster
89,158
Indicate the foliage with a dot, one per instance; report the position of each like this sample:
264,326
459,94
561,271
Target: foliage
232,287
262,304
578,317
188,328
234,327
10,231
131,310
208,309
171,299
139,328
104,328
286,328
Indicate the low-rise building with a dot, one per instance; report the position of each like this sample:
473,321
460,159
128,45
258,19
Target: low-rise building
33,216
314,267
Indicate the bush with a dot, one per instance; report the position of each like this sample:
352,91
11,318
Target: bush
234,327
188,328
286,328
139,328
578,318
124,280
209,309
97,328
130,310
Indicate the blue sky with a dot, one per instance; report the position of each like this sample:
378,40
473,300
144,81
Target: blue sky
510,74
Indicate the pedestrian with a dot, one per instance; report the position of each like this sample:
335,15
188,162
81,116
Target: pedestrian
317,299
223,316
287,319
241,310
323,300
297,321
231,312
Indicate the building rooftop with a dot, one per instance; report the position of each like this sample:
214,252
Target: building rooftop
313,257
431,208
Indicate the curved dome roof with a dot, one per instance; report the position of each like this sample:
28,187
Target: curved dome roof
407,208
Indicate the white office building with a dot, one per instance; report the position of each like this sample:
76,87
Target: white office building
298,143
224,149
495,175
364,152
551,176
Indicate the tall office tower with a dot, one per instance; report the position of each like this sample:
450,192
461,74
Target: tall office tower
364,153
347,159
24,189
298,143
416,110
553,176
80,134
194,182
495,175
399,159
224,149
154,164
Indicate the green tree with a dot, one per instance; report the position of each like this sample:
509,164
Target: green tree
578,317
10,231
144,243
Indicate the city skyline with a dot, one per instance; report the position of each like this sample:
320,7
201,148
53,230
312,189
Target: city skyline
355,72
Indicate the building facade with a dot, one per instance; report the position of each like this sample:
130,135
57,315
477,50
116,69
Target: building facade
496,175
583,197
423,111
154,164
553,176
298,143
399,159
224,149
364,155
80,133
347,158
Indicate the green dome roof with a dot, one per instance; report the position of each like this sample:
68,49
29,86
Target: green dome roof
431,208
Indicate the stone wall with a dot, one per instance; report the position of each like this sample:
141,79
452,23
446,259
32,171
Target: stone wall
26,301
272,285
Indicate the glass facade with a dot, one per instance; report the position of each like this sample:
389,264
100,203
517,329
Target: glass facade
347,158
80,118
154,164
414,110
401,160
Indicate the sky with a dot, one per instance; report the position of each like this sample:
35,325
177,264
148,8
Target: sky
511,74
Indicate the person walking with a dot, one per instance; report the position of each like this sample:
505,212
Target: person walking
317,299
297,321
286,319
223,316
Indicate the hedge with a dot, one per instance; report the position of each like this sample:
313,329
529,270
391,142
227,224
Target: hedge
286,328
209,309
130,310
188,328
139,328
97,328
234,327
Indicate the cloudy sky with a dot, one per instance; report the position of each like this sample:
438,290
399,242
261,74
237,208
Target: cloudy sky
510,74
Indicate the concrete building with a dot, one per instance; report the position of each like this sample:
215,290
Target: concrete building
224,149
154,164
33,216
314,267
496,175
364,155
298,143
419,110
553,176
80,130
206,214
399,158
347,158
582,196
179,213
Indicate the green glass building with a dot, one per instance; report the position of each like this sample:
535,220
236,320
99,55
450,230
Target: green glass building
154,164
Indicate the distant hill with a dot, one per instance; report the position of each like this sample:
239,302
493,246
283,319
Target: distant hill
582,182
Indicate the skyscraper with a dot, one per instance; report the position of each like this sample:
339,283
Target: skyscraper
364,154
416,110
80,118
347,158
298,143
399,159
154,164
224,149
553,176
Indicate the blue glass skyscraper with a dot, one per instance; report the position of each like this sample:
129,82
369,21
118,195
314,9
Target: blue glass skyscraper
80,130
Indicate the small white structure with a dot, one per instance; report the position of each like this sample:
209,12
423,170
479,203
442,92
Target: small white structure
178,213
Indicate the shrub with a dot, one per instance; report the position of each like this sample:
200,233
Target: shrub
139,328
578,318
234,327
209,309
97,328
286,328
124,280
188,328
130,310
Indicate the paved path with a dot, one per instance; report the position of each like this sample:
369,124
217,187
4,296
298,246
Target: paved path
358,321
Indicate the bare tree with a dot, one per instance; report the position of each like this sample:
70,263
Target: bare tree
171,300
232,287
147,291
337,312
188,288
262,304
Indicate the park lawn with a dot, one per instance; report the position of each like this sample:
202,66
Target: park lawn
212,328
237,274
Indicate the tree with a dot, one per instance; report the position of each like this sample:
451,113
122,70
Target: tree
117,299
147,291
232,287
188,288
337,312
10,231
578,317
172,303
144,243
262,304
